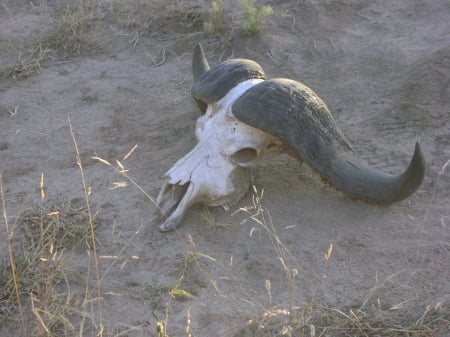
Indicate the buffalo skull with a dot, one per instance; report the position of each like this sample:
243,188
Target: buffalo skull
247,120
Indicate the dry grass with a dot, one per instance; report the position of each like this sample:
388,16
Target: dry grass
28,63
63,226
38,269
77,29
312,320
42,249
80,27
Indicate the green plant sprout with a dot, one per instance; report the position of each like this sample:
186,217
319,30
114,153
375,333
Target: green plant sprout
253,16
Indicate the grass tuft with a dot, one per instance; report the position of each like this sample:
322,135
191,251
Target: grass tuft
78,29
28,63
41,270
216,19
61,226
254,16
310,320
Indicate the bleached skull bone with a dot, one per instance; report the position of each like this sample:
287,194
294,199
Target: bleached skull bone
216,171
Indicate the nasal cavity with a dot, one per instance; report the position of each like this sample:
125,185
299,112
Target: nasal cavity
272,146
245,155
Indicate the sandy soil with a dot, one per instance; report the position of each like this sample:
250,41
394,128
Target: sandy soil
382,67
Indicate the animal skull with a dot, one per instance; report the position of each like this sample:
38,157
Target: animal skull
216,171
247,121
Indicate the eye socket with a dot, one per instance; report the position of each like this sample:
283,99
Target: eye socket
245,155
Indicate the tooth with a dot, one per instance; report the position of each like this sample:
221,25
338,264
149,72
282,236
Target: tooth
169,196
189,199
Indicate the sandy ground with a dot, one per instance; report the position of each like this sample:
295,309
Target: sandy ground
382,67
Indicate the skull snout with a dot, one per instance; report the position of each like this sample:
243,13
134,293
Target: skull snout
210,179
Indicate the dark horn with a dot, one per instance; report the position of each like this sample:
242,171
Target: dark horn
210,85
200,66
199,62
300,119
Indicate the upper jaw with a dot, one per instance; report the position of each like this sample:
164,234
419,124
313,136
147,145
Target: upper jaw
220,185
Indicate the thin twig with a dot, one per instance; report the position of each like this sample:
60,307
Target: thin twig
11,258
91,223
162,61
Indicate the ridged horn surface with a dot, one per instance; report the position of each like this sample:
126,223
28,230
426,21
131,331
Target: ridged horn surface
293,113
211,85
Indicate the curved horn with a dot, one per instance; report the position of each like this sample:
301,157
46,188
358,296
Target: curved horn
211,85
300,119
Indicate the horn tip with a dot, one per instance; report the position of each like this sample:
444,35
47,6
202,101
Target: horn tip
199,62
417,148
416,171
198,49
419,158
418,153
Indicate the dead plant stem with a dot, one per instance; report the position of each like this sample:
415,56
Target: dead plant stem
91,224
11,257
